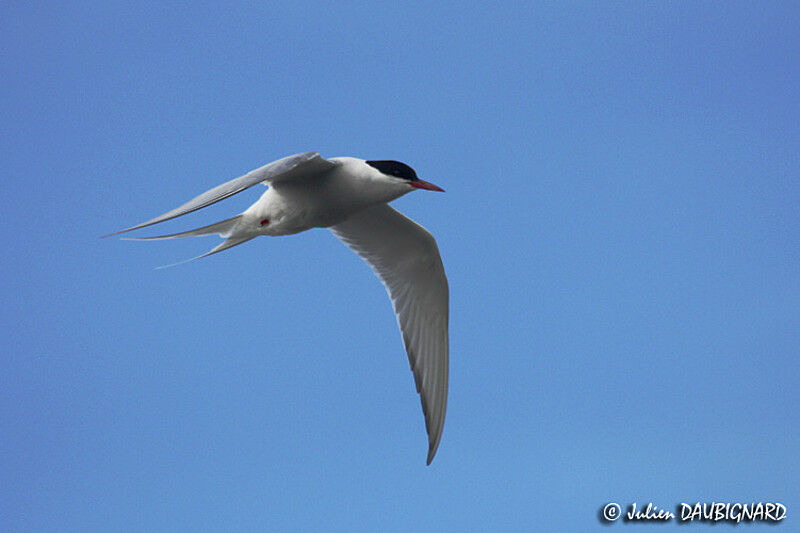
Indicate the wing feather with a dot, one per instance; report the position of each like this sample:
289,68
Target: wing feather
308,164
406,259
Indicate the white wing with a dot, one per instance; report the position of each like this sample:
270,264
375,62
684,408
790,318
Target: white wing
308,164
406,259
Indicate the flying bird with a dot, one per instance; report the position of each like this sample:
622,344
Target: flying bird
350,197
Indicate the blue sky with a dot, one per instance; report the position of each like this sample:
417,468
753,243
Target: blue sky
620,231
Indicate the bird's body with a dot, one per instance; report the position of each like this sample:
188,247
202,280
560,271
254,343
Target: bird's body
293,206
350,196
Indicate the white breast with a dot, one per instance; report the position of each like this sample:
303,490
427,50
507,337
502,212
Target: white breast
298,205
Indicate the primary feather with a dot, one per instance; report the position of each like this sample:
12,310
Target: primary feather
350,196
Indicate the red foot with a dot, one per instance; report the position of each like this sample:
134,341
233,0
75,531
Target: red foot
265,222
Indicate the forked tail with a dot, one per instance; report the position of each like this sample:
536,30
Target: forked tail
224,229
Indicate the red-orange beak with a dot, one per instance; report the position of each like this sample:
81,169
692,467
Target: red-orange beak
419,184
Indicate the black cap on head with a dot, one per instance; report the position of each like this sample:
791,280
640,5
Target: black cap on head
395,168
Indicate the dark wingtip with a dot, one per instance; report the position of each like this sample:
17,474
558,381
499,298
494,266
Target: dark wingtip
431,454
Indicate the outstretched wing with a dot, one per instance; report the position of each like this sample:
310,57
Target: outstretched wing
307,164
406,259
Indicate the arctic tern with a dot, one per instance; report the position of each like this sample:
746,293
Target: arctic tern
350,197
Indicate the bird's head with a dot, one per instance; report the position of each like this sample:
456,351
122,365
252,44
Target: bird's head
400,171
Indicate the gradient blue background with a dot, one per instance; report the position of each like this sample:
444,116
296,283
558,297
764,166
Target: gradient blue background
620,231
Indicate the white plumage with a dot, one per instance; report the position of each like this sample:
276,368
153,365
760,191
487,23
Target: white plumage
350,196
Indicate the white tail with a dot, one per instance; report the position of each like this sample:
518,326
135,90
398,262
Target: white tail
224,229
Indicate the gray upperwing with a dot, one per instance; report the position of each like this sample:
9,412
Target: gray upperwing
307,164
